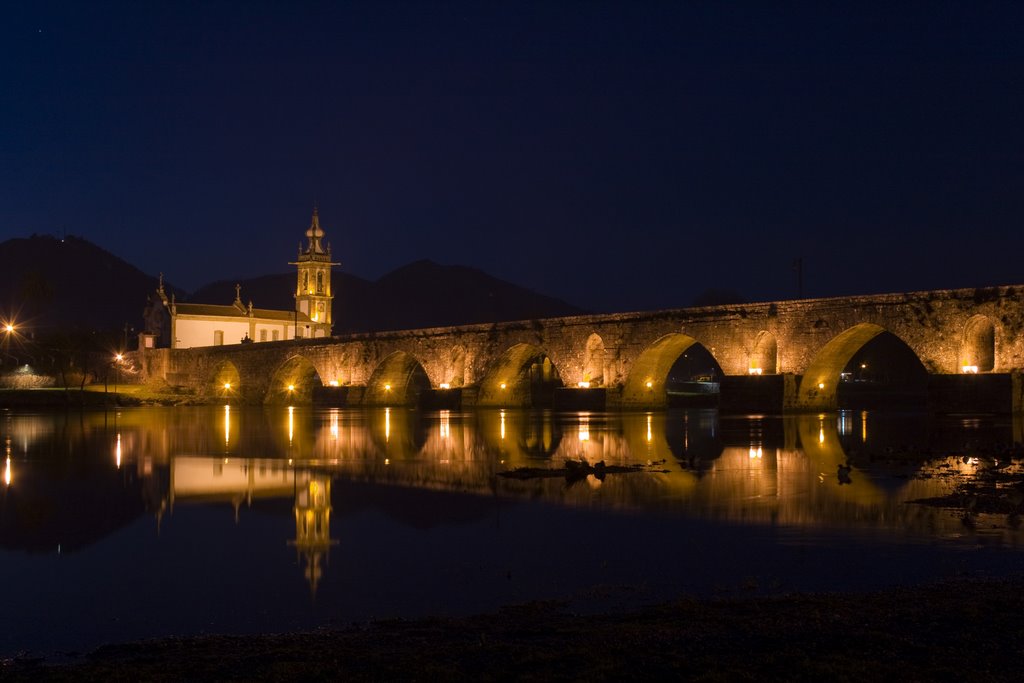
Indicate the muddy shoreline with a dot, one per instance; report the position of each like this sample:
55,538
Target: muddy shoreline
965,629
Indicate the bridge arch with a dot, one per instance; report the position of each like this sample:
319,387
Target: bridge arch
863,365
764,358
225,381
594,361
456,375
523,375
294,382
649,379
398,380
978,346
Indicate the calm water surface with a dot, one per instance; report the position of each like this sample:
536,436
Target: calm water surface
145,522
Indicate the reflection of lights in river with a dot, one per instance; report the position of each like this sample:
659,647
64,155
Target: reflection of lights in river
756,453
291,424
845,422
117,451
334,423
584,427
227,425
445,426
503,425
864,426
387,425
648,428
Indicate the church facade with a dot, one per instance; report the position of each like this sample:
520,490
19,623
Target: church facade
170,324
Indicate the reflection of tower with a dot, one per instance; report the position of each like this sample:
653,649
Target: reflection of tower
313,526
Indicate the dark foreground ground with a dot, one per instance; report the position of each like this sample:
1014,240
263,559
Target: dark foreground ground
967,630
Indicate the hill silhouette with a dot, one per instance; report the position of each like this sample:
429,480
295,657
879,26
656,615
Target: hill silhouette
420,294
49,284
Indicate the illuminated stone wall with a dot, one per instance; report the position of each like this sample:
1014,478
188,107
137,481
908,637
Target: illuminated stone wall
947,330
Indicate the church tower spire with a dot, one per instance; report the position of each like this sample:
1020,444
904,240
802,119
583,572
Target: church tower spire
313,294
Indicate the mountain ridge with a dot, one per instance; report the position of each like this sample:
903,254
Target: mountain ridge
48,284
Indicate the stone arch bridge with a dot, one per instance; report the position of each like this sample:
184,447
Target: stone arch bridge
961,349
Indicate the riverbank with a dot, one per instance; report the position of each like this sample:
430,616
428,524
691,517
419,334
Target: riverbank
92,396
968,629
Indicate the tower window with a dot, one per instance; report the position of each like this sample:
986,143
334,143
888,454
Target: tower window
218,337
320,283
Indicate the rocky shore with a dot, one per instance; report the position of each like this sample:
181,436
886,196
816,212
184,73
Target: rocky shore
969,629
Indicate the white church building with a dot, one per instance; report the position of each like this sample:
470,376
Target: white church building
170,324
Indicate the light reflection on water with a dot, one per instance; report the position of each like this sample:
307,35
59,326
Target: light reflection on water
179,520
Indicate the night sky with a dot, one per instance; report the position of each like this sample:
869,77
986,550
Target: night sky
618,155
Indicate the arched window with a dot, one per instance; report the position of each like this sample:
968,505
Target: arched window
320,282
978,351
764,359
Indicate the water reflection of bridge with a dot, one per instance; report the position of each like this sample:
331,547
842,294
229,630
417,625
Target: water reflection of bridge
776,470
761,470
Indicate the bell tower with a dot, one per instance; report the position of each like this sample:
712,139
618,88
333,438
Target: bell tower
313,295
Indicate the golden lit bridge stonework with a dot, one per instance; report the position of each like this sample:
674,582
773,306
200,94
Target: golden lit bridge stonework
950,349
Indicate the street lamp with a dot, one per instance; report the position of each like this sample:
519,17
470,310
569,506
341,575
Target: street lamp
9,329
118,357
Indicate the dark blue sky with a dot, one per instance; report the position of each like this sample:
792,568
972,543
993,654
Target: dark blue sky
618,155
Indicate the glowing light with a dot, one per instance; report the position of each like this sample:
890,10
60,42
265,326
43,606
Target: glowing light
291,424
291,387
649,384
227,386
387,425
969,369
502,385
444,385
863,366
118,357
754,371
117,451
387,387
503,425
756,453
445,425
8,328
227,425
333,383
821,385
583,385
387,461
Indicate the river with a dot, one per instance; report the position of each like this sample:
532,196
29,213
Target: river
147,522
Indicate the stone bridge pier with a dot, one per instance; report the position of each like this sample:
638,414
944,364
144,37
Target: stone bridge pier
953,350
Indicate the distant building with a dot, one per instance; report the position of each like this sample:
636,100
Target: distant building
170,324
